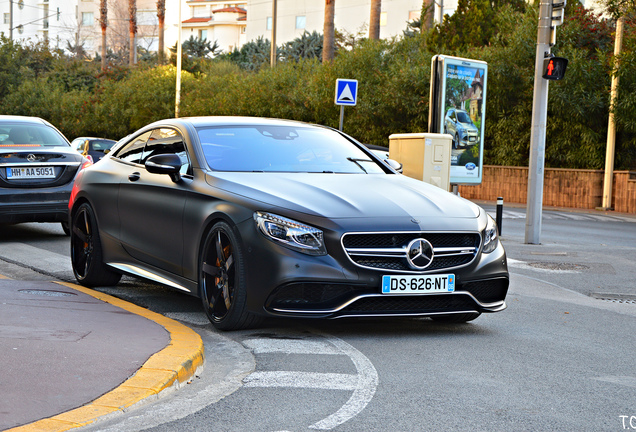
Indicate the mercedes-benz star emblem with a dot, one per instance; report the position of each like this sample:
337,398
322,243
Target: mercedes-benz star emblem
419,254
31,157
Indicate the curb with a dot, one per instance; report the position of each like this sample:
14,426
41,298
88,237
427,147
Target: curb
164,371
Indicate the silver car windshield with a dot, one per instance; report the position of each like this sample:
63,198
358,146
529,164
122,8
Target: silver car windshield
462,117
30,135
257,148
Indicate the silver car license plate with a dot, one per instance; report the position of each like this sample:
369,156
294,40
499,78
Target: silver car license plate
30,172
431,284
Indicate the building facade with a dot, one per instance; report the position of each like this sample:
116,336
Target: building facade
222,22
351,17
38,20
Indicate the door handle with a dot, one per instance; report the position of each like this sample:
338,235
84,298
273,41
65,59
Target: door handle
134,176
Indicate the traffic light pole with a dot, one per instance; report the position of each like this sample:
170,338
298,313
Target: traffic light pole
537,135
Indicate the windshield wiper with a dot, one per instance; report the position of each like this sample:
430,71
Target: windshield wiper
357,162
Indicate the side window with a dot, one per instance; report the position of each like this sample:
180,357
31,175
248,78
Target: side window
133,151
166,141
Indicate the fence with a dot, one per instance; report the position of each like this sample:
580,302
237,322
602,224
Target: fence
573,188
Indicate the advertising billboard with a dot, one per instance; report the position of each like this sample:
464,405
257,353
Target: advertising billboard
458,108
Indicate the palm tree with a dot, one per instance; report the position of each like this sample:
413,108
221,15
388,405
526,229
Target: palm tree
161,15
374,22
329,31
103,22
132,13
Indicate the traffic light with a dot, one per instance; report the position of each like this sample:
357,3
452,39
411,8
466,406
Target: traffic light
554,68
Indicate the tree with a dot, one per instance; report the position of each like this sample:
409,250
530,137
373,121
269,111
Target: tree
374,21
132,29
426,16
307,45
103,22
161,15
329,31
199,48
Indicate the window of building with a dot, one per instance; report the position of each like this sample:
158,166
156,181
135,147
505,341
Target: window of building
268,26
200,12
300,22
203,34
147,18
382,19
87,18
243,29
7,18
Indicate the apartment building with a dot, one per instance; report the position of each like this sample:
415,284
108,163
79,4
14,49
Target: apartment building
39,20
351,16
217,21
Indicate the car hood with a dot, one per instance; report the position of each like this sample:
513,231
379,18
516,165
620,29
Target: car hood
337,196
469,127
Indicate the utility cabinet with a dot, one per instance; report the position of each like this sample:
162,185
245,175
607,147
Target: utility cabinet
424,156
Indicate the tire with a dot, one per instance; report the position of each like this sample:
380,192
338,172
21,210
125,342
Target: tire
456,142
455,318
86,251
222,285
66,228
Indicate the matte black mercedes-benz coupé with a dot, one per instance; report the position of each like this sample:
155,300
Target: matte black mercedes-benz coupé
262,217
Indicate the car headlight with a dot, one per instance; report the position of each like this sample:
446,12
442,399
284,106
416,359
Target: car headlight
292,234
491,237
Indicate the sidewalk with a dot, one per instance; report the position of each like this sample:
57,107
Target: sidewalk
70,355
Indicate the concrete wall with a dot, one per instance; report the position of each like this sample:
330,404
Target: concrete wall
573,188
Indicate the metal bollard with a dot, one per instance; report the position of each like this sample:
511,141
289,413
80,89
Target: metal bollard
499,214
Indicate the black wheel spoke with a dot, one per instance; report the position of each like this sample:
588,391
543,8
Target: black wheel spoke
226,296
211,270
219,249
79,233
229,263
86,225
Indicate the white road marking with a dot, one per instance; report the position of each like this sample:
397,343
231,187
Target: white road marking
327,381
363,383
290,346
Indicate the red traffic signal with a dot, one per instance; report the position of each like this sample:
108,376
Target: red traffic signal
554,68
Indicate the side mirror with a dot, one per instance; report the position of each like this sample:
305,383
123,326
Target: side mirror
394,164
169,164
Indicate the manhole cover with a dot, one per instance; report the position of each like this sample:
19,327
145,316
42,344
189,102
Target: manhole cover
557,266
48,293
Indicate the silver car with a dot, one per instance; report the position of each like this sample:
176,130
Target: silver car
458,124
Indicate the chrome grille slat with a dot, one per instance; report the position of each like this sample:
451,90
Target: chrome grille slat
388,250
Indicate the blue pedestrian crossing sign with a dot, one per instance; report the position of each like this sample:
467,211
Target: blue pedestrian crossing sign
346,91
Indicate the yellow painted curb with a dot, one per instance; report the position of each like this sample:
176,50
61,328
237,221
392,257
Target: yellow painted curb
169,368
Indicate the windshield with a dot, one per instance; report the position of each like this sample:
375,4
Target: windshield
462,117
30,135
282,149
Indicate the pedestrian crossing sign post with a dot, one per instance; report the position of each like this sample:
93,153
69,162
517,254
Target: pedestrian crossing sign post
346,95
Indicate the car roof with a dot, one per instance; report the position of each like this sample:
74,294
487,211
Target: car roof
94,138
231,121
22,119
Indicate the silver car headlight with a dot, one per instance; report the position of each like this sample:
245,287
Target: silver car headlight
491,237
292,234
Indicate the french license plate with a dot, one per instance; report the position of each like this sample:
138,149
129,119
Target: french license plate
418,284
30,172
471,139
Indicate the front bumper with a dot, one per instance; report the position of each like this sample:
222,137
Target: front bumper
282,282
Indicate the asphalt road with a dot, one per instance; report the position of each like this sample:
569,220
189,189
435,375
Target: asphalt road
556,359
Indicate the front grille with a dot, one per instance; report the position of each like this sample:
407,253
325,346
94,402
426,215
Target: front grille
487,291
388,251
412,304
